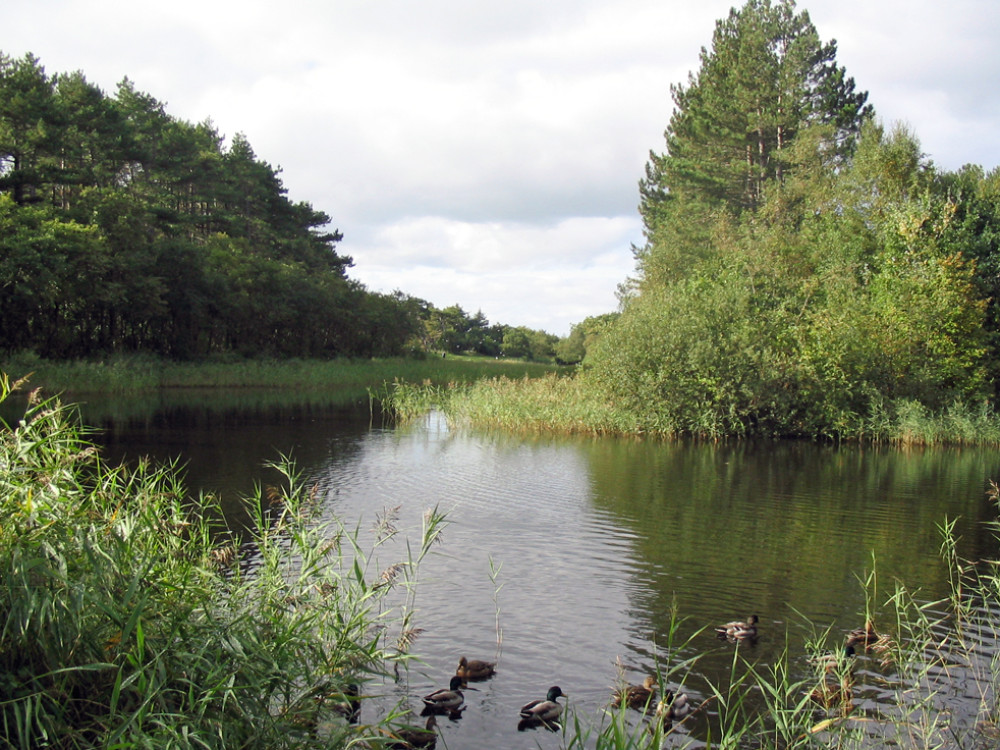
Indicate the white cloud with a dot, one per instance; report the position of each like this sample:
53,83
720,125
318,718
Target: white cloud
489,154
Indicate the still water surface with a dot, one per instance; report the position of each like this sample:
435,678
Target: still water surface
596,540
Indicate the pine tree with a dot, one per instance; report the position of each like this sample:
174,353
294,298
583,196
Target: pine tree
766,80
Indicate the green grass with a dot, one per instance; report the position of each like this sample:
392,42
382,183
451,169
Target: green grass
572,403
125,374
552,403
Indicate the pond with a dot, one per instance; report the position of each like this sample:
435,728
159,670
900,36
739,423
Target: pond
564,558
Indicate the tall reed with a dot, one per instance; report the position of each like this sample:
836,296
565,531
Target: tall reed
578,404
129,619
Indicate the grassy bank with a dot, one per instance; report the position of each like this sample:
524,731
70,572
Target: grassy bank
137,373
576,405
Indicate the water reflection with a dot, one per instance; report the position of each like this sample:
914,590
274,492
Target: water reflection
566,559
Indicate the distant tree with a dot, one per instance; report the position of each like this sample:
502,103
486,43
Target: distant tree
28,120
582,336
516,343
767,80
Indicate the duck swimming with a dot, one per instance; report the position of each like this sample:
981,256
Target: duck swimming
544,711
637,696
474,669
408,738
739,631
673,706
446,700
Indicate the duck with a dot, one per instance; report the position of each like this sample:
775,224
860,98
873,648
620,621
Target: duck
637,696
673,707
546,710
833,661
866,636
407,738
348,703
474,669
739,631
835,691
448,699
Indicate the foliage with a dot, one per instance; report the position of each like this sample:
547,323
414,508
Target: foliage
767,82
129,618
582,337
123,230
804,268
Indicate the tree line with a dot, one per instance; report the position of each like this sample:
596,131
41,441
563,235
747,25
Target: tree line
805,267
124,229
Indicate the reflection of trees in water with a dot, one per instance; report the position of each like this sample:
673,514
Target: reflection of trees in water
785,529
223,440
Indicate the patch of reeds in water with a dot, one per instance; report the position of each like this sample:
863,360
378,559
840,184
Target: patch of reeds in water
575,404
552,403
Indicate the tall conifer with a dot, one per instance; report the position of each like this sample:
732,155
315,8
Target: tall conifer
766,79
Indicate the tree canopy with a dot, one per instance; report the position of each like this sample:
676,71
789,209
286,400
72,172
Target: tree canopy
804,267
124,229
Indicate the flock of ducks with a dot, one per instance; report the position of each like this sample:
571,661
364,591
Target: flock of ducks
451,701
670,707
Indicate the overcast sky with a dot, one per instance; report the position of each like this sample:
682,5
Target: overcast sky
487,154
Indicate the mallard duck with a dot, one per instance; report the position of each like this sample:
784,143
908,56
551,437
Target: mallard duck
348,703
446,700
673,707
866,636
413,737
833,661
835,690
637,696
544,711
474,669
739,631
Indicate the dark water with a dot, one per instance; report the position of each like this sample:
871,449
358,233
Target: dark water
597,541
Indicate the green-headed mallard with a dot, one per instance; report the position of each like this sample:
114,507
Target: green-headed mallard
448,699
407,738
739,631
544,711
637,696
474,669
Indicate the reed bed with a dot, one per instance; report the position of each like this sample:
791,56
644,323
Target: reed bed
123,374
575,404
551,403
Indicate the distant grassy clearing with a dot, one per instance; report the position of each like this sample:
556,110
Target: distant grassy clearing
126,374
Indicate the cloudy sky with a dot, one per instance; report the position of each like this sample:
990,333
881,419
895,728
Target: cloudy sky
487,154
